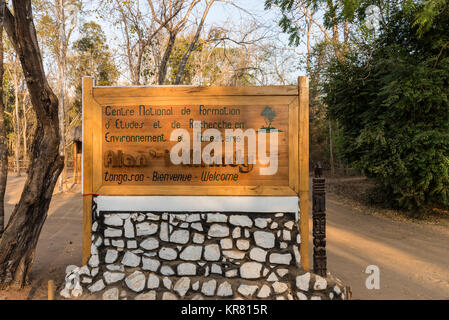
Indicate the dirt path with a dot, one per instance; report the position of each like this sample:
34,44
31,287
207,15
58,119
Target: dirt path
413,258
59,244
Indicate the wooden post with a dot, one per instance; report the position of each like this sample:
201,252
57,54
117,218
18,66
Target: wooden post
51,290
87,165
75,162
303,90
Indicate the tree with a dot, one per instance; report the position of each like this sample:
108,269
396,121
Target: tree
392,102
3,144
19,239
57,21
93,57
171,15
141,37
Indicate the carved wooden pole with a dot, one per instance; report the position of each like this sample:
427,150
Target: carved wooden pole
319,223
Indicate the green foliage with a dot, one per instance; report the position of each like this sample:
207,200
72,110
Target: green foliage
92,58
335,12
392,106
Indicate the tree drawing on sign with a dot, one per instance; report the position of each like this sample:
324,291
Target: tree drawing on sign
269,115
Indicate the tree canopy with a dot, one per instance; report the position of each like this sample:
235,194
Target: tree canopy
391,100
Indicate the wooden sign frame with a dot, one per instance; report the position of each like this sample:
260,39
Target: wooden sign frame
295,97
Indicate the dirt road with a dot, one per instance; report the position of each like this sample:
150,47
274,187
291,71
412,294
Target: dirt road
413,259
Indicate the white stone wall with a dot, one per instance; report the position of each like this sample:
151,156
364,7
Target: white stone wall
199,255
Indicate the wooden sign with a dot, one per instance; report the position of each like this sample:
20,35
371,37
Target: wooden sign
191,140
196,141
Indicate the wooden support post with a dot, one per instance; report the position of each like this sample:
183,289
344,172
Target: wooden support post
88,105
319,222
303,90
51,290
75,162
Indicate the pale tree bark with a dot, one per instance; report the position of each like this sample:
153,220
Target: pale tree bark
130,17
170,9
16,117
24,126
3,145
19,239
193,43
162,73
61,87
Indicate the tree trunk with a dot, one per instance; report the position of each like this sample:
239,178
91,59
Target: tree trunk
61,76
24,129
18,242
17,119
185,57
3,145
331,149
164,63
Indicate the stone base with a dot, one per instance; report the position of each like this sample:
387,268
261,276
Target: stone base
166,256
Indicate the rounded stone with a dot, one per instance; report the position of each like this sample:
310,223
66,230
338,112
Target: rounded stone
111,256
112,277
241,221
250,270
136,281
279,287
224,290
191,253
182,286
186,269
264,292
113,221
226,243
150,244
258,254
261,223
112,233
234,254
212,252
208,288
129,229
218,231
169,296
279,258
247,290
97,286
151,295
180,236
242,244
167,253
264,239
130,259
320,283
153,281
216,217
150,264
146,229
111,294
167,271
303,281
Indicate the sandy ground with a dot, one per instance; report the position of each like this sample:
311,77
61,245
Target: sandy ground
413,258
59,244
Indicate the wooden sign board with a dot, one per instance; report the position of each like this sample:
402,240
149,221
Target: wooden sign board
191,140
196,141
